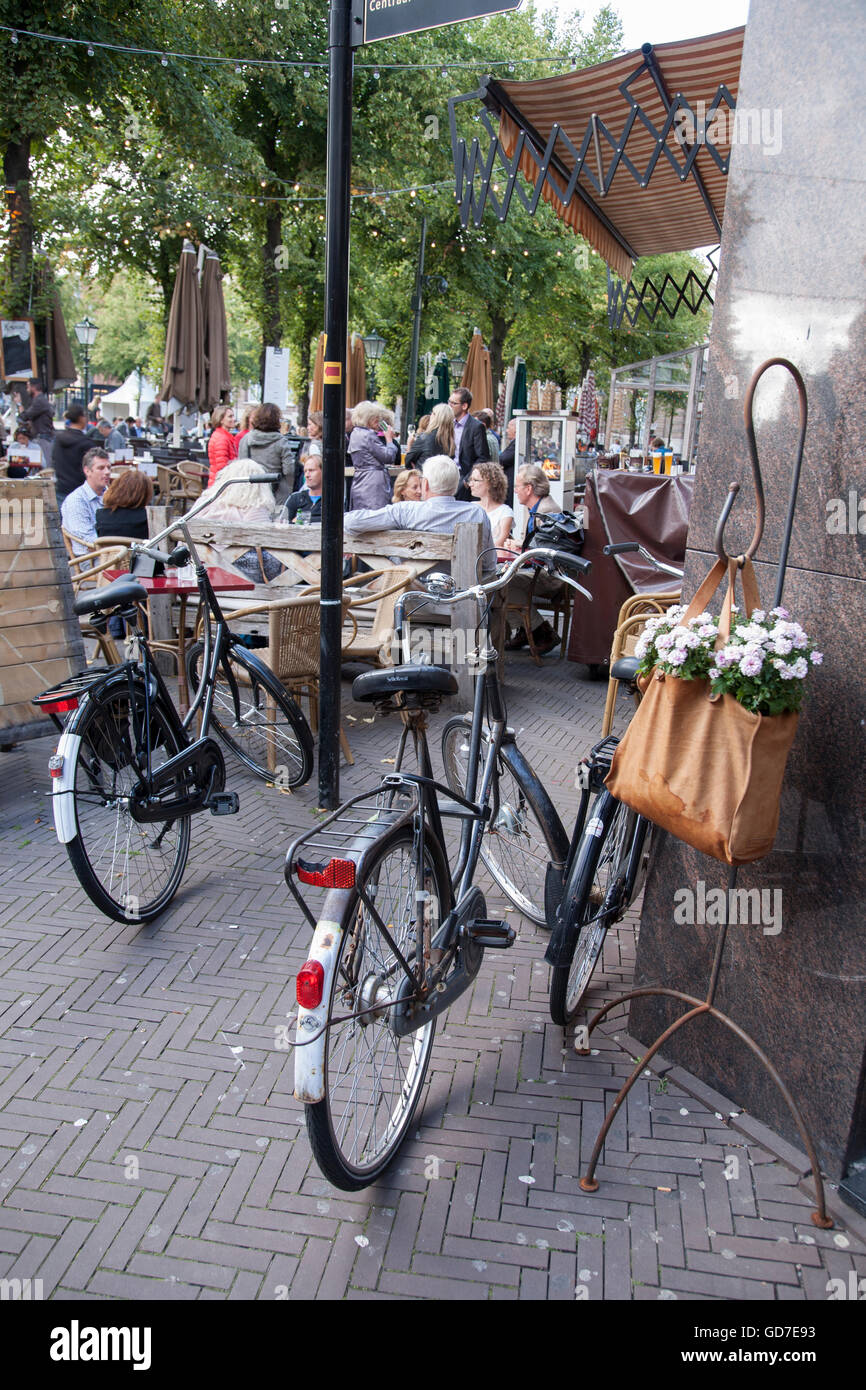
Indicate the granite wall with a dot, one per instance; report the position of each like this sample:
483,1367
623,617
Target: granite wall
792,284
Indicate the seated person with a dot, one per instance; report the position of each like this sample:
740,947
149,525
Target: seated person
123,506
438,510
307,501
79,509
532,490
488,486
245,503
407,486
21,468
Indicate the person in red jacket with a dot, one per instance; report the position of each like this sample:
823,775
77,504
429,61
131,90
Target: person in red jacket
222,447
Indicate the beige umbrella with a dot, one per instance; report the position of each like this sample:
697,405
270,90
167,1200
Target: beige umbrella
183,372
217,379
318,388
60,369
475,377
356,386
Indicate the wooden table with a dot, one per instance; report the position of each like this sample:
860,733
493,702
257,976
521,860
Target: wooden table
173,586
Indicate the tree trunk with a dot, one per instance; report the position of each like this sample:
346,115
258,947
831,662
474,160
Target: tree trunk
16,172
304,361
499,330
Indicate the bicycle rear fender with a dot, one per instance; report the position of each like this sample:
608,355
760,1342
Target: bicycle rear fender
62,787
310,1056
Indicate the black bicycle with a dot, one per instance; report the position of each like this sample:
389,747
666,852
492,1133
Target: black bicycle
128,773
607,858
402,932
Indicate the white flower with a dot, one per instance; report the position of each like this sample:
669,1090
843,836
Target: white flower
714,673
782,646
779,613
816,658
664,641
677,656
708,630
643,645
752,663
759,615
799,668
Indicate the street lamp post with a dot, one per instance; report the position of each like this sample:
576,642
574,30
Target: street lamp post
374,346
86,332
457,365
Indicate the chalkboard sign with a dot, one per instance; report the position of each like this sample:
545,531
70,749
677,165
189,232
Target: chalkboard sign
17,349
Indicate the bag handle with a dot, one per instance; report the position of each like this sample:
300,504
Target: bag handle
751,597
705,592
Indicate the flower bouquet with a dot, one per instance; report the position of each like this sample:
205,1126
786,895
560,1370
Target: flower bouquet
763,664
705,754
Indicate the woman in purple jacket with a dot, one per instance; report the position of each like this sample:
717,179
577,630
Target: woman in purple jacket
371,485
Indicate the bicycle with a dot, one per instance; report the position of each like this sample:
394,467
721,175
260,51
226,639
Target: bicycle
128,773
607,859
400,935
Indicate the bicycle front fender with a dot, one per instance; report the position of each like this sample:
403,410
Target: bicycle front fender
310,1055
63,786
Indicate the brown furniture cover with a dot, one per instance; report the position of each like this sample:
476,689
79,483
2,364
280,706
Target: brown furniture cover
622,506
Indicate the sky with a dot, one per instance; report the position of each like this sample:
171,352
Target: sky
661,21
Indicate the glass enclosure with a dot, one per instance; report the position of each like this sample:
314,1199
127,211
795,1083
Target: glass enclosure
660,397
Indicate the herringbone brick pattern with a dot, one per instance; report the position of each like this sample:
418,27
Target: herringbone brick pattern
150,1145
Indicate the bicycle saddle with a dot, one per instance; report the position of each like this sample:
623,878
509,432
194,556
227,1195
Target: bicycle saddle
417,679
116,595
625,669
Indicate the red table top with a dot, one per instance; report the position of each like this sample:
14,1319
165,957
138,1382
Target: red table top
222,581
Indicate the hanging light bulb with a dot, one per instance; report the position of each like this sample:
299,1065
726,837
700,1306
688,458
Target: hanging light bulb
14,37
306,72
90,50
164,61
376,73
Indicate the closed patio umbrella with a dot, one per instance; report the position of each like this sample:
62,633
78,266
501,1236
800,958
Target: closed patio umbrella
217,379
356,386
183,372
317,389
476,375
518,395
587,406
54,352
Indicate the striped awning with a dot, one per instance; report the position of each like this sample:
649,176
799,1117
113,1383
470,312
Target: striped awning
618,122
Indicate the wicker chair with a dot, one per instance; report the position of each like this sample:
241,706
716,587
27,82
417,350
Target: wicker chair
86,571
294,637
377,591
559,604
631,622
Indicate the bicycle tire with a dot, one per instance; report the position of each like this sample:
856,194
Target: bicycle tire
130,871
522,840
372,1078
602,858
283,754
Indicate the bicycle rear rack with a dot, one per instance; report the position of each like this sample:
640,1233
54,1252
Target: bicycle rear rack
333,853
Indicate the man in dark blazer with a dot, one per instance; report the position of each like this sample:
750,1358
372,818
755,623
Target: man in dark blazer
506,459
470,438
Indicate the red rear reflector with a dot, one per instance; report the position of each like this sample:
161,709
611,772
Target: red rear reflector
61,706
309,985
337,873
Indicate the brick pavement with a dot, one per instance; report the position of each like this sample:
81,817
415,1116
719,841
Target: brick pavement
150,1145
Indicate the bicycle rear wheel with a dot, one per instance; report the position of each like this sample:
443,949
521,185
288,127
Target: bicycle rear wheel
522,839
373,1078
130,871
257,719
591,902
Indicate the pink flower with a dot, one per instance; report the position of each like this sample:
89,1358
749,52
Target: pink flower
816,658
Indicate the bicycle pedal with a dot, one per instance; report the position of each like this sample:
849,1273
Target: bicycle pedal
224,804
490,934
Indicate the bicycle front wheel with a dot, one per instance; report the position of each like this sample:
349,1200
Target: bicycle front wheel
256,718
129,871
373,1078
522,837
589,904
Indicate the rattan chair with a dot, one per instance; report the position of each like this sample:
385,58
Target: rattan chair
293,650
631,622
88,571
376,592
558,604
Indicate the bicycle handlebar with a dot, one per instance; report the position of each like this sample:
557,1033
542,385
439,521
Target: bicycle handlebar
140,548
622,547
556,560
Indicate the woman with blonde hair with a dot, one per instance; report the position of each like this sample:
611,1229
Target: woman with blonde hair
371,485
246,503
437,439
407,486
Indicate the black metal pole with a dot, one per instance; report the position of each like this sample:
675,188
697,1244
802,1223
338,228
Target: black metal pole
409,412
334,395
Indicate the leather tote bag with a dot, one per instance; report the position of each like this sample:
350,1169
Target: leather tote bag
702,766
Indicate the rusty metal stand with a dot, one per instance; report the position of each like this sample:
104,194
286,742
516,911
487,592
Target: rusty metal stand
705,1007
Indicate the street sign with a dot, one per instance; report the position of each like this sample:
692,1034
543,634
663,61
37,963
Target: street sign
386,19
